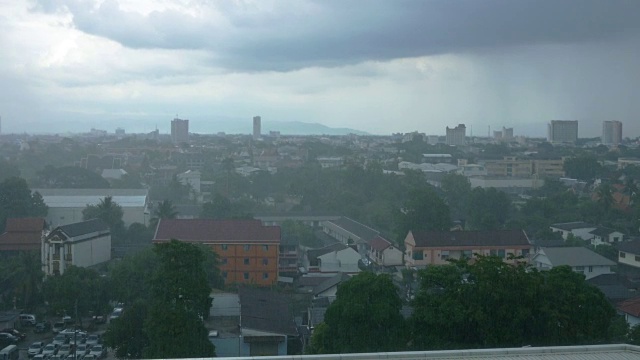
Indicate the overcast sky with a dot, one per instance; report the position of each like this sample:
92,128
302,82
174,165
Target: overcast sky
376,66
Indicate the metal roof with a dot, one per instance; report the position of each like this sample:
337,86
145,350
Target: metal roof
69,198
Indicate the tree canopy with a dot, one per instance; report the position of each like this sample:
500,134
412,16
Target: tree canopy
365,317
488,303
16,201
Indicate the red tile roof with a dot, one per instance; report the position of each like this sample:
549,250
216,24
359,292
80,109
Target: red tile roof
209,230
379,243
631,306
22,234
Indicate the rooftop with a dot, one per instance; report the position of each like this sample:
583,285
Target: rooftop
22,234
470,238
65,198
84,227
575,256
353,227
573,225
209,230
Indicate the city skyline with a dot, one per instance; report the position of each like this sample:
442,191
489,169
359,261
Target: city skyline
384,68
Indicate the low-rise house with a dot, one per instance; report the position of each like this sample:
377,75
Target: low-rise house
384,253
349,232
333,259
436,247
23,234
248,251
577,228
615,288
329,287
580,259
80,244
602,235
630,309
629,253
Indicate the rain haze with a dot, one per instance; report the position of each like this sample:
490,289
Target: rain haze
374,66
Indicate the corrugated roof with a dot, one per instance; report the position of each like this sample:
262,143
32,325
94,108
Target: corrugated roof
362,231
631,307
379,243
314,253
64,198
205,230
470,238
330,282
575,256
568,226
24,225
22,234
602,231
632,247
84,227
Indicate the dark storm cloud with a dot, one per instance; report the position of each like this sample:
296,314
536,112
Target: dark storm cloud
336,33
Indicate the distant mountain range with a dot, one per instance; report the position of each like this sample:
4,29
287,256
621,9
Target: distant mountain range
237,126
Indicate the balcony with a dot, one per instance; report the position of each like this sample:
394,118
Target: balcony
55,256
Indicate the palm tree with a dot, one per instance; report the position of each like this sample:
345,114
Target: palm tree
165,210
24,275
605,197
631,188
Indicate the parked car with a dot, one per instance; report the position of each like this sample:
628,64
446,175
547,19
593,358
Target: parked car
99,319
14,332
35,348
60,339
90,357
67,319
99,351
7,338
65,349
83,349
50,349
72,332
93,339
42,357
56,357
42,327
117,312
58,326
27,319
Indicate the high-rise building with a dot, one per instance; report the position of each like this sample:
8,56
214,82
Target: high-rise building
179,131
611,132
563,131
257,130
457,135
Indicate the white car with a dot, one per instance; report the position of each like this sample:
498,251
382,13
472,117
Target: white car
99,351
83,349
93,339
64,350
41,357
50,349
35,348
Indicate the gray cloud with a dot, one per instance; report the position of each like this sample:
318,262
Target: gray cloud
335,33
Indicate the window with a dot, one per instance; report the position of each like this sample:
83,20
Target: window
637,258
501,253
224,247
590,268
265,261
224,261
246,276
622,255
616,238
444,254
418,255
246,261
265,275
493,252
247,247
525,252
224,275
467,254
580,268
265,247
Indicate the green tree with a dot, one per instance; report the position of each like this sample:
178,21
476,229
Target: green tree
108,211
70,177
489,209
131,277
22,277
126,334
165,210
457,190
17,201
296,232
365,317
79,287
489,303
423,210
584,167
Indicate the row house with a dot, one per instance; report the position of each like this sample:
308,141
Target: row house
437,247
350,232
335,258
81,244
383,253
247,250
579,259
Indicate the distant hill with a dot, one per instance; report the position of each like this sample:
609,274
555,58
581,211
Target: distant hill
302,128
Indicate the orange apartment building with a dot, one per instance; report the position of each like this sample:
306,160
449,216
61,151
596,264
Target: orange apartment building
247,250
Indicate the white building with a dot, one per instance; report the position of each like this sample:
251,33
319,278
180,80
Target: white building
577,228
191,178
80,244
334,258
580,259
384,253
457,135
66,205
